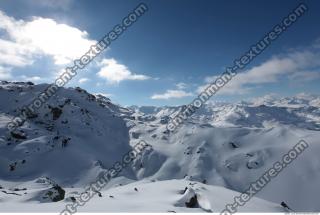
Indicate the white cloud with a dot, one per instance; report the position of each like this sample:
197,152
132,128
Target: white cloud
105,94
32,78
169,94
288,66
268,98
115,72
25,40
5,73
181,85
177,93
210,79
83,80
13,54
305,76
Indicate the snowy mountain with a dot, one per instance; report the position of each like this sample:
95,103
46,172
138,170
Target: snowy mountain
214,155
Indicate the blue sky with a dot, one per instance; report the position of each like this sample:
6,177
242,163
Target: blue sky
177,46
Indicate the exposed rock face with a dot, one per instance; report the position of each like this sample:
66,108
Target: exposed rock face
54,194
189,198
18,135
56,113
193,202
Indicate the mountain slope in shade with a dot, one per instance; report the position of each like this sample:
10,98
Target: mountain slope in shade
71,139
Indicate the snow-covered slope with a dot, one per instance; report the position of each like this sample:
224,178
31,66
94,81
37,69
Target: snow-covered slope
76,136
70,139
144,196
231,145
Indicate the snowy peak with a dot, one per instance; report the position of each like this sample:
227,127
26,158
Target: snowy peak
64,139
